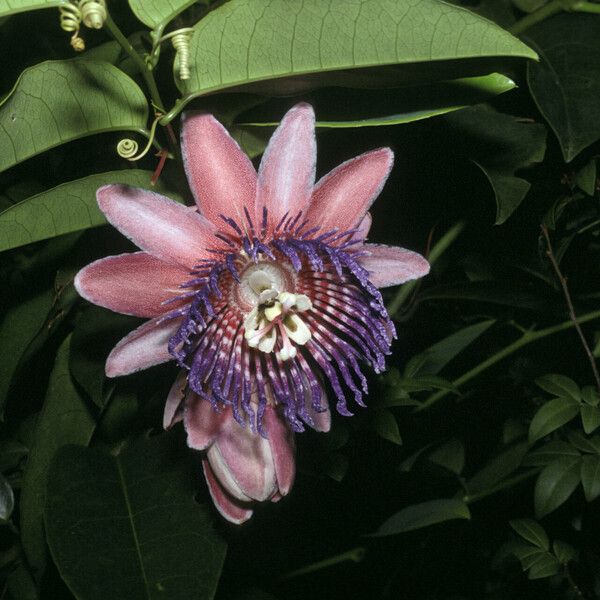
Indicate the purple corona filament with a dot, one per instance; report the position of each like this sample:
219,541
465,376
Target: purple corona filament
347,322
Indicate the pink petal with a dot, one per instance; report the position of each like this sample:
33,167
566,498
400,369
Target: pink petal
220,175
164,228
364,227
144,347
173,414
229,509
391,265
246,458
343,196
132,284
202,423
287,171
281,439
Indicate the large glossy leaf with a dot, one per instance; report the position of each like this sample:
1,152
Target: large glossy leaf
423,515
12,7
59,101
549,453
404,105
500,145
555,484
246,42
155,12
64,419
565,83
551,416
127,526
19,326
69,207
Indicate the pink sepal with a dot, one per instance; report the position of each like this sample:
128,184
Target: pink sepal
221,177
231,510
281,439
392,265
131,284
164,228
286,175
343,196
144,347
173,413
202,423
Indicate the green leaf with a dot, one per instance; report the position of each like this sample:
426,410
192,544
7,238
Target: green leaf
12,7
549,453
531,531
157,12
20,584
559,385
64,419
528,555
335,465
500,145
18,328
583,443
69,207
384,424
450,455
564,552
590,476
59,101
277,39
585,178
555,484
438,98
96,332
529,6
436,357
589,395
497,469
127,525
564,84
11,454
421,515
551,416
590,417
546,566
7,499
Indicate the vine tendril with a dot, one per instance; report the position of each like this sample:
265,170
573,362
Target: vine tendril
91,12
181,42
127,148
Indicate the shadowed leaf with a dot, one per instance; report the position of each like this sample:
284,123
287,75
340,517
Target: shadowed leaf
132,516
423,515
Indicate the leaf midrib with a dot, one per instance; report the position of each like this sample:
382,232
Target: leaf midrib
132,523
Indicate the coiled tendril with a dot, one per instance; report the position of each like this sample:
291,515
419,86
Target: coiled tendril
91,12
181,42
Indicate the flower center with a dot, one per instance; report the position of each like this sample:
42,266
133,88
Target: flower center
273,310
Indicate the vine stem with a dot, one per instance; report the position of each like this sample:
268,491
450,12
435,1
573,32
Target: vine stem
145,72
567,294
354,555
546,11
553,7
527,338
438,249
